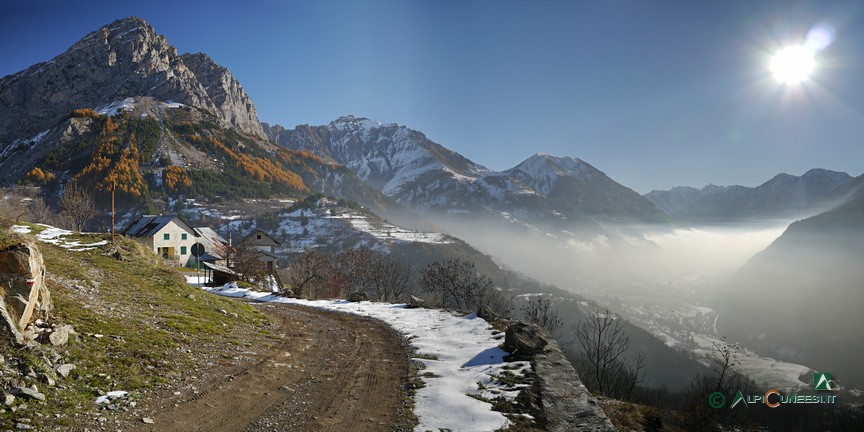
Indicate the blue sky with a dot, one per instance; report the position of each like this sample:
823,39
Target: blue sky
654,93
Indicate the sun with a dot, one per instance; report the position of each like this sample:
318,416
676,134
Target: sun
793,65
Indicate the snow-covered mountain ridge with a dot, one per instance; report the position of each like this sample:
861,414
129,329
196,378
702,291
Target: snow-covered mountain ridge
421,174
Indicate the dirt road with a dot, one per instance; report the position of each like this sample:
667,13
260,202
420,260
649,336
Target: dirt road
325,371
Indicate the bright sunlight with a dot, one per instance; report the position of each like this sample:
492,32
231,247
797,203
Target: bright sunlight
793,65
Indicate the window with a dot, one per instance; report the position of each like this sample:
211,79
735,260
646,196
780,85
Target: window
166,236
183,236
259,236
183,249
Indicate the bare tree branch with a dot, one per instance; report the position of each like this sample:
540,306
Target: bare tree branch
78,206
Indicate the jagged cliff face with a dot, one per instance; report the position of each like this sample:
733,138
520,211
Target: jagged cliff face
123,59
225,92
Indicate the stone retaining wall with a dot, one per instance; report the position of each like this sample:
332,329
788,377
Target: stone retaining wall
567,404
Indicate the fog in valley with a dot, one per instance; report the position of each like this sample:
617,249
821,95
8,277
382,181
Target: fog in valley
686,286
623,262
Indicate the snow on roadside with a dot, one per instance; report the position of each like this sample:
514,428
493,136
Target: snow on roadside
459,352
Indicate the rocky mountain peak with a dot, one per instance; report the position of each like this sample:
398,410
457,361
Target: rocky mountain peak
120,60
352,123
541,170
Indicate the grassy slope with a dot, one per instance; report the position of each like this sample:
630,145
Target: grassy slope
153,325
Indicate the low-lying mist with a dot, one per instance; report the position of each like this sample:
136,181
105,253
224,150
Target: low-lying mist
621,260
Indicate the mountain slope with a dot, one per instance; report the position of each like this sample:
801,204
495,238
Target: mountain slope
782,196
811,279
423,175
123,59
122,107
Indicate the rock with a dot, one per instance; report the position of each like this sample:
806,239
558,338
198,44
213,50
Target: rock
8,399
22,426
114,253
567,404
30,393
358,296
523,340
24,296
64,369
415,302
488,314
147,420
47,379
60,335
233,105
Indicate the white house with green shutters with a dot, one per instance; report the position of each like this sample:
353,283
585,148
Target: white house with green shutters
169,236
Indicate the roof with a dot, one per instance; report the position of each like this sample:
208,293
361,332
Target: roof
208,234
219,268
149,225
249,237
208,257
265,253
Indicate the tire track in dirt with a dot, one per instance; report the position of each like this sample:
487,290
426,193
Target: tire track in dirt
326,371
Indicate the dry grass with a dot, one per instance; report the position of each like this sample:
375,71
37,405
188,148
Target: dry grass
140,326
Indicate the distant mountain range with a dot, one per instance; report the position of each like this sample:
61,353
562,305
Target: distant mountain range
784,196
801,298
423,175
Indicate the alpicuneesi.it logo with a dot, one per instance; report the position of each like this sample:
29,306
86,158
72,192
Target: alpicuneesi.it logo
773,398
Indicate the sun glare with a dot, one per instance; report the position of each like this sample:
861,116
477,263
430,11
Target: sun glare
793,65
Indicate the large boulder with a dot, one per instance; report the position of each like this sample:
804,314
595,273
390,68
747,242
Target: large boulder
358,296
524,341
23,294
415,302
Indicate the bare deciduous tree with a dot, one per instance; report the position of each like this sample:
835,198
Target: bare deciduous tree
308,274
393,276
243,258
40,212
725,379
539,311
10,205
457,283
78,206
604,343
723,358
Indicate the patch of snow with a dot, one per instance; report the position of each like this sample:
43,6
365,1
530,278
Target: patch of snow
52,234
55,236
17,144
396,233
20,229
114,107
108,397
